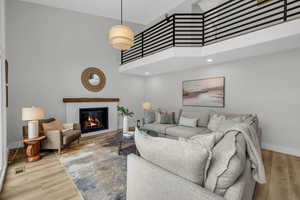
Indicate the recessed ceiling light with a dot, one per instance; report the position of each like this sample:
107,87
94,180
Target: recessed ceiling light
147,73
209,60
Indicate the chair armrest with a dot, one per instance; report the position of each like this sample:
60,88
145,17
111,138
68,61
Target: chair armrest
147,181
68,126
76,126
72,126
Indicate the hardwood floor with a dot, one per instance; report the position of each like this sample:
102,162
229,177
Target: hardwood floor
283,177
47,179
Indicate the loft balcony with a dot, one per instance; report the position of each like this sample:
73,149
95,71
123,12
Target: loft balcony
234,30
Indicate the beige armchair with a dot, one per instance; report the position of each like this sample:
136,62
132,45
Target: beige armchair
57,139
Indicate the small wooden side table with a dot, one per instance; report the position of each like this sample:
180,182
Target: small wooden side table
33,148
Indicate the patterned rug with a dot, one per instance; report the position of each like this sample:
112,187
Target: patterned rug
97,173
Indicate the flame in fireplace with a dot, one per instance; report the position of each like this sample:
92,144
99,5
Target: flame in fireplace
92,122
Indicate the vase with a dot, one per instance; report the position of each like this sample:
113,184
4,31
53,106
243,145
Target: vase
125,124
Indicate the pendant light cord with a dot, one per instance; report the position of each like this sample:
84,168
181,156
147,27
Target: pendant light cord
121,12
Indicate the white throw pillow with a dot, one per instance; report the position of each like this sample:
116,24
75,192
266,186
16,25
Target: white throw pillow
207,141
185,159
227,163
190,122
215,121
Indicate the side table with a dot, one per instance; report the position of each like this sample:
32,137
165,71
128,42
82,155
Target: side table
33,148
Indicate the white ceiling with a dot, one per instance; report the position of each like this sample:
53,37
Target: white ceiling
139,11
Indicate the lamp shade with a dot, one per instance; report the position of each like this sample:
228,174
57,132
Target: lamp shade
121,37
147,106
32,113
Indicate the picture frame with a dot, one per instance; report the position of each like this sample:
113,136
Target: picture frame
207,92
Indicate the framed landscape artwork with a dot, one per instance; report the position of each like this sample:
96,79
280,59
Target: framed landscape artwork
208,92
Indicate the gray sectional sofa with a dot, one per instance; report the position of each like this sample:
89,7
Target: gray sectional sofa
156,177
175,130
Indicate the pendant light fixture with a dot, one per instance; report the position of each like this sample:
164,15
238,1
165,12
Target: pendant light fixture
120,36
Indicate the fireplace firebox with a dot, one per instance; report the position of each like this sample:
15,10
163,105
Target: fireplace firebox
93,119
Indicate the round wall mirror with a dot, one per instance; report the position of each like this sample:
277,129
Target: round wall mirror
93,79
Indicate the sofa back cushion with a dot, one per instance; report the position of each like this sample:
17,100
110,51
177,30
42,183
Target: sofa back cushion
215,121
232,116
223,121
53,126
202,116
185,159
227,163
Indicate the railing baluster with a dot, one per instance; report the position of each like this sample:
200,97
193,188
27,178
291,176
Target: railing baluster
174,42
285,10
203,29
121,57
142,44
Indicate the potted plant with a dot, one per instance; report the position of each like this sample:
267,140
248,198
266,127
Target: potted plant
126,114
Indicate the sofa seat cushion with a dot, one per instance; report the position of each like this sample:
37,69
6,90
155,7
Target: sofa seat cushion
159,128
70,135
185,159
186,132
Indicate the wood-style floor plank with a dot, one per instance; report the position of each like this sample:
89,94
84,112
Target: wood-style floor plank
262,190
48,180
279,184
294,176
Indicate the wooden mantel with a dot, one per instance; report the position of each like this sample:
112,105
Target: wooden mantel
74,100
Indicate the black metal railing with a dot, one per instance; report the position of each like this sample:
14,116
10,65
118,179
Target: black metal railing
230,19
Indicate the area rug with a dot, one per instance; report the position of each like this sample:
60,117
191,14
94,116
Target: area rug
97,173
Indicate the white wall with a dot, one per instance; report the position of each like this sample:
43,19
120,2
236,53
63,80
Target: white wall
3,132
48,48
267,86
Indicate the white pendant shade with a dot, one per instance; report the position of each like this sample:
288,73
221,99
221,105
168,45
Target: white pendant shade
121,37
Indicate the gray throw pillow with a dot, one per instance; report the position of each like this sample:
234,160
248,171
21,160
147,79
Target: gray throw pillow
167,118
149,116
185,159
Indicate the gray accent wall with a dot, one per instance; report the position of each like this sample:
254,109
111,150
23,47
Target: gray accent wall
267,86
48,48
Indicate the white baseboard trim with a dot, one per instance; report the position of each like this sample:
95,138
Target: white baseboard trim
281,149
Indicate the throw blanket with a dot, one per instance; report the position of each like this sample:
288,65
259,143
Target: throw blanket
253,150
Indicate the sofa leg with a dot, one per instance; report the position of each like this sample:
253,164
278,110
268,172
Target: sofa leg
78,140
